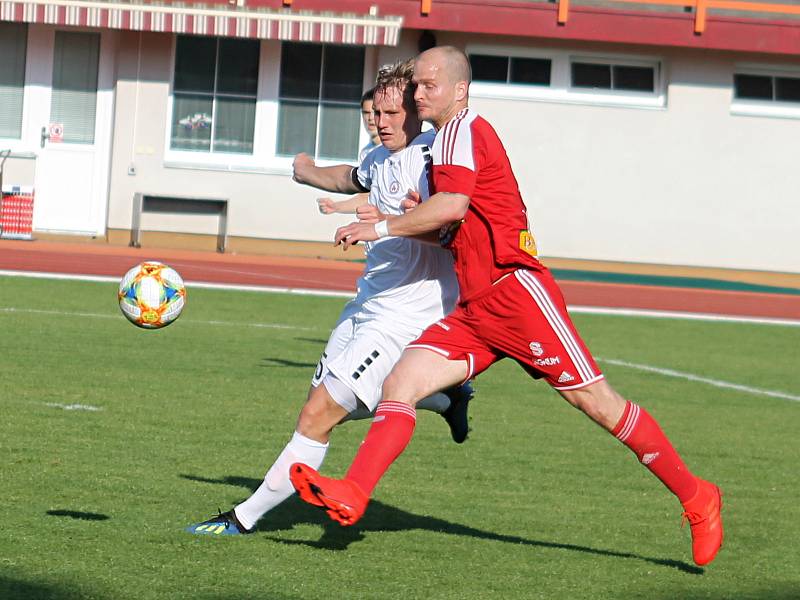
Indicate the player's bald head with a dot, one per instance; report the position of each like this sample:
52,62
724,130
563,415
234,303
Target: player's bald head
450,60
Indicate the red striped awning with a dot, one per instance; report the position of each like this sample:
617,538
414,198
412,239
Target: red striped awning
204,19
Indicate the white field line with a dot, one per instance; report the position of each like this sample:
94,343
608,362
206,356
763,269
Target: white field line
689,377
669,314
591,310
197,284
86,407
65,313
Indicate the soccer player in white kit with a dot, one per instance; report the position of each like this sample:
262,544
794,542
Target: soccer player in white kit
406,286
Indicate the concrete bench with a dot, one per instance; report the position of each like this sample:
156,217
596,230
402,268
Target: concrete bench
158,203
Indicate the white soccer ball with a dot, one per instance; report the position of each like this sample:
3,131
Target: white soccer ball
152,295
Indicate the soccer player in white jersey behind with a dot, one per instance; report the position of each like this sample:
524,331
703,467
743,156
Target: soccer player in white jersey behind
406,286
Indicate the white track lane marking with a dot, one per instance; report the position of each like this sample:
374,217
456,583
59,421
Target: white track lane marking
689,377
590,310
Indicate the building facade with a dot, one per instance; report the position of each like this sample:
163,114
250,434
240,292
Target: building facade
663,135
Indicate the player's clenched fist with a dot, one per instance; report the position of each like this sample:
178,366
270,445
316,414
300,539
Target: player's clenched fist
350,235
301,166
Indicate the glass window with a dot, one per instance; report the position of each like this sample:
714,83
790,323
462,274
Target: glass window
787,89
753,87
589,75
320,100
607,76
510,69
532,71
489,68
74,101
13,44
634,79
214,94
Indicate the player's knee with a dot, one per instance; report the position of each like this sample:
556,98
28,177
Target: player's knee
397,388
600,402
318,417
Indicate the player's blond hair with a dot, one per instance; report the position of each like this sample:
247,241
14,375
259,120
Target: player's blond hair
398,75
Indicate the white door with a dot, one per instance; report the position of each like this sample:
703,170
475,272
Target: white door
70,92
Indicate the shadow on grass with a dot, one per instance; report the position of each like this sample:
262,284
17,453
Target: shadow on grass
383,517
75,514
311,340
17,589
281,362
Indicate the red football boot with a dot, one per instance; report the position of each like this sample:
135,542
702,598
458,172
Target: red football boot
342,499
703,514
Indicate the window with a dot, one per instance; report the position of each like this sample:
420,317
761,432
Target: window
320,100
13,37
603,76
766,87
215,88
74,101
510,69
558,75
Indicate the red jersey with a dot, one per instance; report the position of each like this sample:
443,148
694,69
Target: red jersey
493,238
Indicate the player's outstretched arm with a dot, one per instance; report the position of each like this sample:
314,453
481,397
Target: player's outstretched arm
338,178
351,205
440,209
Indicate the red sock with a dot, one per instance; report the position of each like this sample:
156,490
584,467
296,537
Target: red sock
640,432
386,439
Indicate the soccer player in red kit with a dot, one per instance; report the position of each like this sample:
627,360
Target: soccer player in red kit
509,306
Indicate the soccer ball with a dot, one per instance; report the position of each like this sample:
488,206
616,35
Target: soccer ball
152,295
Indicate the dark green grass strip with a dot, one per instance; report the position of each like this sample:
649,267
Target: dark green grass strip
669,281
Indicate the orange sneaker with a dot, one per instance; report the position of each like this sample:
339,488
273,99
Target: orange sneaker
342,499
703,514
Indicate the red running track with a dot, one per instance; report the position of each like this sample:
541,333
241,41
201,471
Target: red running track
321,274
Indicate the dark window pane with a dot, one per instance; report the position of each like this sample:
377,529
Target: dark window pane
754,87
344,73
338,132
637,79
300,69
13,48
235,124
489,68
238,66
787,89
297,128
195,59
533,71
589,75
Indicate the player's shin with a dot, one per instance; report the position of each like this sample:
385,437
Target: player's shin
276,486
386,439
641,433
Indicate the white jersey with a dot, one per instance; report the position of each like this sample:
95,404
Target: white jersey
409,281
406,286
368,147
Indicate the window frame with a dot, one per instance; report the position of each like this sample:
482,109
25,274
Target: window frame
751,107
320,103
561,89
264,159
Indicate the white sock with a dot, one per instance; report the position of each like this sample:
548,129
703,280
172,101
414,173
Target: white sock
276,486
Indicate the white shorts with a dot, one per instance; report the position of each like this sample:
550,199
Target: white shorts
361,354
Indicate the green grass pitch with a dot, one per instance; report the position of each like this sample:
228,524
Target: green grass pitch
538,503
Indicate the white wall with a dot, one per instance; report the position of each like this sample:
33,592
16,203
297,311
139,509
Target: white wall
687,184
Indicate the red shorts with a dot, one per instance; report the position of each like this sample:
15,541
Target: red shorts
525,318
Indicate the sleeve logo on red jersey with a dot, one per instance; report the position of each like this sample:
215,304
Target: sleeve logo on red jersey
527,243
